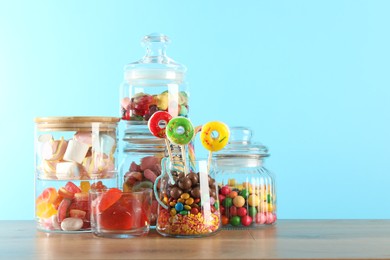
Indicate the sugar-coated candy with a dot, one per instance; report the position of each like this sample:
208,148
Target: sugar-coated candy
71,224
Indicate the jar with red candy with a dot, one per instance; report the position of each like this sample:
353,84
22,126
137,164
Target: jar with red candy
246,189
154,83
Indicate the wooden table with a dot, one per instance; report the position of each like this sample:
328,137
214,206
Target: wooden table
315,239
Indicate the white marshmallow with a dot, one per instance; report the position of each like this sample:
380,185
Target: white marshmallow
76,151
67,170
106,144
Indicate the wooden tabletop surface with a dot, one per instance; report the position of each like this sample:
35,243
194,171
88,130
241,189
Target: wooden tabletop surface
288,239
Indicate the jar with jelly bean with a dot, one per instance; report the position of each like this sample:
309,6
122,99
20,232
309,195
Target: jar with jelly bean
72,156
188,199
246,189
154,83
141,164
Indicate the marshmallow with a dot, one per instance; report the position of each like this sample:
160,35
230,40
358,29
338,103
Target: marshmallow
83,137
76,151
49,168
53,150
98,165
107,143
67,170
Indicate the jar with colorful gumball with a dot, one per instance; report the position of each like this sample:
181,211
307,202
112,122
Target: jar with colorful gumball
72,156
246,189
154,83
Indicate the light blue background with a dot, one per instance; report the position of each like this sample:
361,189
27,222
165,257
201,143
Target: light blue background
311,78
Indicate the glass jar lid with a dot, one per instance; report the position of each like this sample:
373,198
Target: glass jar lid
240,146
155,65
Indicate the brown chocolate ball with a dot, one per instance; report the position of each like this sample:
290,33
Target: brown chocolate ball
193,177
184,183
195,192
175,192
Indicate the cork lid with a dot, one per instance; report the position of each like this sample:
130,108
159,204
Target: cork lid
76,123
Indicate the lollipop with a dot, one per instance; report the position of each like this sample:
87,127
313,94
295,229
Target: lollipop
214,136
157,124
180,131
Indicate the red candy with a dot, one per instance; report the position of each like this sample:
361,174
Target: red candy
109,198
241,212
225,190
157,123
246,220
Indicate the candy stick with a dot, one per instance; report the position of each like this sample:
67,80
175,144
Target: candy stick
183,155
191,149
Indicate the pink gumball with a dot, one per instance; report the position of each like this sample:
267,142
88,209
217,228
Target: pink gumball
260,218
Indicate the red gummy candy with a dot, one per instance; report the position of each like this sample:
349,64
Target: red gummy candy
109,198
71,187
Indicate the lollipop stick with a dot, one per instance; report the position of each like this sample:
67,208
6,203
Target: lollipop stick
191,155
209,162
169,149
183,155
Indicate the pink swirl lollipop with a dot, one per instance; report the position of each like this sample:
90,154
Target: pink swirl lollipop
157,124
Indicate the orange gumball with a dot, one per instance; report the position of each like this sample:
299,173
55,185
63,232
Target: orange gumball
224,220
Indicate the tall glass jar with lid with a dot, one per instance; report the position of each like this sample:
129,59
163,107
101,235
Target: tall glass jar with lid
141,164
154,83
72,156
246,189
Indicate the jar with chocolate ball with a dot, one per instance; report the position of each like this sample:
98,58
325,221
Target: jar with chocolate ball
72,156
247,190
188,199
141,164
154,83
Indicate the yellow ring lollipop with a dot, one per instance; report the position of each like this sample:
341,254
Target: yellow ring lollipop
214,136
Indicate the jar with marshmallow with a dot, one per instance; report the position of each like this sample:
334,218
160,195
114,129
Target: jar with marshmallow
72,156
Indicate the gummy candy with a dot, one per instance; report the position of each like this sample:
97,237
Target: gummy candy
45,209
109,198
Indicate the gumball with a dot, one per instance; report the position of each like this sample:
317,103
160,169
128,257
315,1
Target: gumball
227,202
224,220
222,210
241,212
270,218
233,194
225,190
244,193
235,221
253,200
252,211
239,201
221,197
233,211
260,218
246,220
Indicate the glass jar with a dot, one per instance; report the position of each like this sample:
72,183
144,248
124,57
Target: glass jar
247,191
72,155
154,83
188,201
141,165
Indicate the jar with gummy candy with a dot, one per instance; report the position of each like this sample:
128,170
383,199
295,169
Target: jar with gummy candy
72,156
188,199
246,189
141,164
154,83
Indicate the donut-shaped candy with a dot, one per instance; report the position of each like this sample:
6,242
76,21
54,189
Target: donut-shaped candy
158,122
214,135
180,130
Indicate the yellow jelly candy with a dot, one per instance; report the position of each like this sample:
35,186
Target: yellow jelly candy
45,210
85,186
